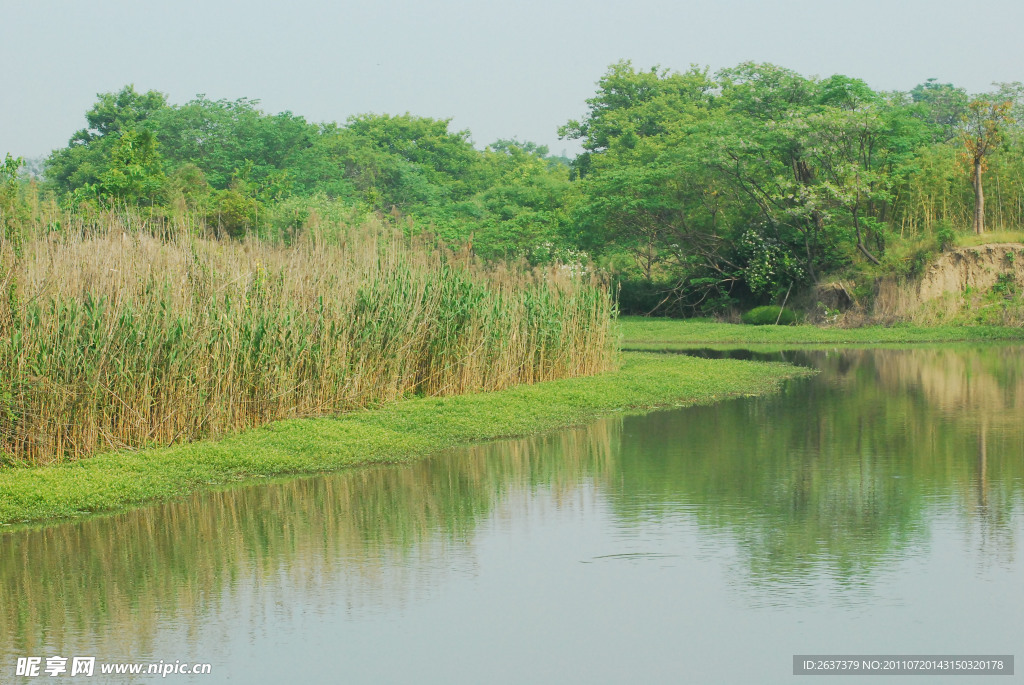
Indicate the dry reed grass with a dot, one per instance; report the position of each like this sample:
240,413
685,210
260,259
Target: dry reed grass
119,331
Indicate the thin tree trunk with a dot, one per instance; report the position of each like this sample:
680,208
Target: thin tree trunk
860,243
979,200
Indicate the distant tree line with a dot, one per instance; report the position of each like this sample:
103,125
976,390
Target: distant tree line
699,191
234,162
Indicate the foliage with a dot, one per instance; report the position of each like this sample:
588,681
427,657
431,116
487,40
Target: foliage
769,315
714,190
82,164
224,138
945,236
942,106
9,199
982,131
769,263
758,179
134,173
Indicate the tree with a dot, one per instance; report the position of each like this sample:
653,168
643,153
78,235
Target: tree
844,145
87,156
444,159
519,210
649,202
765,92
222,137
981,132
134,173
631,105
942,106
760,151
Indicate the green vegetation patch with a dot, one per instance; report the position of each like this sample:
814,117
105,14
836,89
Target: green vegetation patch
402,431
641,333
769,315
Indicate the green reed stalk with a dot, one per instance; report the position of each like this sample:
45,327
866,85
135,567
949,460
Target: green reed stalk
119,331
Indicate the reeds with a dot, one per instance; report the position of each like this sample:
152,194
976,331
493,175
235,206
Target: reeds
116,331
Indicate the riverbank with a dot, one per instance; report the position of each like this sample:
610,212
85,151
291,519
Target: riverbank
639,334
401,432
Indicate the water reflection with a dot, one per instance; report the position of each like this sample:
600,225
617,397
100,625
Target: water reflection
377,538
816,493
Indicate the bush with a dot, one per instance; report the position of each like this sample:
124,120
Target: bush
945,236
768,316
233,213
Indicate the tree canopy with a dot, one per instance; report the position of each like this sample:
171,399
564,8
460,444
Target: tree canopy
705,189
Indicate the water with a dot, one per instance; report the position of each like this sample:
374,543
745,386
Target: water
877,508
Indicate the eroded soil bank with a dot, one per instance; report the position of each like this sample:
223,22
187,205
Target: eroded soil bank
981,284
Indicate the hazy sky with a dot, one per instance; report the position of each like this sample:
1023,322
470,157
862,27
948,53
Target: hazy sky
501,70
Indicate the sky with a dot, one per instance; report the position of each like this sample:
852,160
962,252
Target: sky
499,69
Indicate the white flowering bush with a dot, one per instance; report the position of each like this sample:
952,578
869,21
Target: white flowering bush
770,265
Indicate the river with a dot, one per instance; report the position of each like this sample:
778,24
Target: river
874,509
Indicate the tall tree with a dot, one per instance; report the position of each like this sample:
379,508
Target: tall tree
760,150
647,198
424,147
942,106
631,105
982,130
225,137
87,156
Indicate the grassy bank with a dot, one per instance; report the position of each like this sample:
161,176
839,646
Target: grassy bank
639,333
403,431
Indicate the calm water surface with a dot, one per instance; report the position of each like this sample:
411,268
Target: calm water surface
877,508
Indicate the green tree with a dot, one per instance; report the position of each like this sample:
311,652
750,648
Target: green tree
221,137
982,130
134,173
520,210
845,146
646,200
631,105
445,160
744,185
942,106
88,154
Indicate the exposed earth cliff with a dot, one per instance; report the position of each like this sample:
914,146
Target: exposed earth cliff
981,284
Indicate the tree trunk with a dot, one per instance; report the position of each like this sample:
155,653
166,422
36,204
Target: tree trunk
979,200
860,243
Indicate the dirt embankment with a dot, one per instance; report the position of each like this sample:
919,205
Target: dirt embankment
958,285
978,268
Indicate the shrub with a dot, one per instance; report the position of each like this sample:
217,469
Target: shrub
769,315
945,236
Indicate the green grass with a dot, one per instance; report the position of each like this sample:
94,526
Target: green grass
639,333
402,431
973,239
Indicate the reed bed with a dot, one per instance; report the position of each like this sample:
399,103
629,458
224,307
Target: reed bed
119,331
